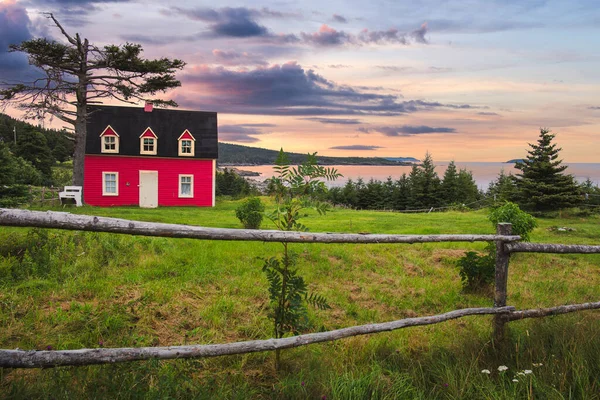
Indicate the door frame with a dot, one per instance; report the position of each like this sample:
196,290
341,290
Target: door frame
145,172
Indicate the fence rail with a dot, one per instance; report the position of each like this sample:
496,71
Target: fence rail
506,243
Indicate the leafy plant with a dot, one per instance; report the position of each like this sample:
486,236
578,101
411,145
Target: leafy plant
522,223
250,213
477,271
295,189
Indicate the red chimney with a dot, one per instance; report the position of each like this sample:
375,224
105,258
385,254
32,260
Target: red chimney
148,107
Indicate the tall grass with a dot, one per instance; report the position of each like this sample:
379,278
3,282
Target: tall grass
68,290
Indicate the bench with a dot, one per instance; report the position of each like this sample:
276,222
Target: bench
69,194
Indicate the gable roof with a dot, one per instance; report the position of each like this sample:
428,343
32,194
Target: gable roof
148,132
109,131
165,124
186,135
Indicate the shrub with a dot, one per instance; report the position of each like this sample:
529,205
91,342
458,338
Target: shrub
522,223
250,213
477,271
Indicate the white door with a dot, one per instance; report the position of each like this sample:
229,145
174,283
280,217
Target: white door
149,189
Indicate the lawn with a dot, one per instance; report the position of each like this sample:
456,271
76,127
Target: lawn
69,290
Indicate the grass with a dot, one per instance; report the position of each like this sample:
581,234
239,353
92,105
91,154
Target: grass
70,290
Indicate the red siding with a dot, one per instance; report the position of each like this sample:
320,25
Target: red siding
129,169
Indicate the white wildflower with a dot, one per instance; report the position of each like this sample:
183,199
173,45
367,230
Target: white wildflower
537,364
515,380
521,373
502,368
527,371
485,371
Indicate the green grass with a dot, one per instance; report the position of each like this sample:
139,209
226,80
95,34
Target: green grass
70,290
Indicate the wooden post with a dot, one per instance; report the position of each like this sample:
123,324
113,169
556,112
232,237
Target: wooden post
502,258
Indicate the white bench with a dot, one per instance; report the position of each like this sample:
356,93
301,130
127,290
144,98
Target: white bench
71,192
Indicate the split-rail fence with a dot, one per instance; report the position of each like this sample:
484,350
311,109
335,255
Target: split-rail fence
506,244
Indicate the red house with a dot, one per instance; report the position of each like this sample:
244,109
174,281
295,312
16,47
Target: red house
150,158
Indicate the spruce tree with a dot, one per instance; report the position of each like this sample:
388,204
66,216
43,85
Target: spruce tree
449,188
542,185
425,184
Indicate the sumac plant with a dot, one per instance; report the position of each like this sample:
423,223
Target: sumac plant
296,188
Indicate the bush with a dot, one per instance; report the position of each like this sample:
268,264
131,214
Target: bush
250,213
476,271
522,223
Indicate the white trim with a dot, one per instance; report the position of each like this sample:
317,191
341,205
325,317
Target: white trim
111,128
186,196
104,192
154,147
151,131
188,132
103,148
180,148
214,183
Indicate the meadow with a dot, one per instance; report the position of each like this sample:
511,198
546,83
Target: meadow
69,290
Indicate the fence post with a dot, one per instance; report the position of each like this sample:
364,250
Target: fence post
502,258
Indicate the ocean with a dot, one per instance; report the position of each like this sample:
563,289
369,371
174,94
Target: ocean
483,172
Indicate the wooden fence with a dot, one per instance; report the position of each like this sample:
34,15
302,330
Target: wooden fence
506,244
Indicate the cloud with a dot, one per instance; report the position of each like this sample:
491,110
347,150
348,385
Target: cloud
336,121
593,108
407,130
236,22
487,113
72,12
14,28
288,89
327,36
338,66
356,147
419,34
243,133
232,57
339,18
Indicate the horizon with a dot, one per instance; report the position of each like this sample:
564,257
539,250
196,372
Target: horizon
470,82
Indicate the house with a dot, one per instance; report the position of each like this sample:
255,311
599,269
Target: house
150,157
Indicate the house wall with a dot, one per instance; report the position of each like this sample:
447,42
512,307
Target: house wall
128,168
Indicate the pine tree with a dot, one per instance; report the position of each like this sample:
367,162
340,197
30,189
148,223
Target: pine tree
541,184
449,187
77,73
425,184
467,187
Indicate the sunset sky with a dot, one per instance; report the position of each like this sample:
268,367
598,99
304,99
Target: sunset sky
469,80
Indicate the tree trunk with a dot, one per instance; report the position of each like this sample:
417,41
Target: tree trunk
79,152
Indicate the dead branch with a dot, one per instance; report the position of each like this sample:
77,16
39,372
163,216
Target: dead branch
61,220
45,359
551,248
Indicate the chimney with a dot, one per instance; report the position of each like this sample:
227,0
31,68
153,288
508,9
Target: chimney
148,107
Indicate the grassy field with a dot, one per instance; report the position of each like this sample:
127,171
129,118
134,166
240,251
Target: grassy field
69,290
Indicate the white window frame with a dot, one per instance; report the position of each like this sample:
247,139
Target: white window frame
186,196
105,144
154,139
103,135
104,192
181,139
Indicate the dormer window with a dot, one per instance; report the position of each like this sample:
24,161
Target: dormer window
187,144
148,142
110,140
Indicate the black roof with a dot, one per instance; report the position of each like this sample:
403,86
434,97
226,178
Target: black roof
130,122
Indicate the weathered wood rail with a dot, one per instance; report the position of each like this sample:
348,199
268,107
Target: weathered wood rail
506,243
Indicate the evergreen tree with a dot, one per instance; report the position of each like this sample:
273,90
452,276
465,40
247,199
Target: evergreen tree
33,147
76,73
467,187
401,193
542,185
503,189
425,184
449,187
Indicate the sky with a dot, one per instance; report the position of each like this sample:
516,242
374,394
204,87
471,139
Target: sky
469,80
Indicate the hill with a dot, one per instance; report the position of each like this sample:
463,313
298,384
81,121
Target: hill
235,154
